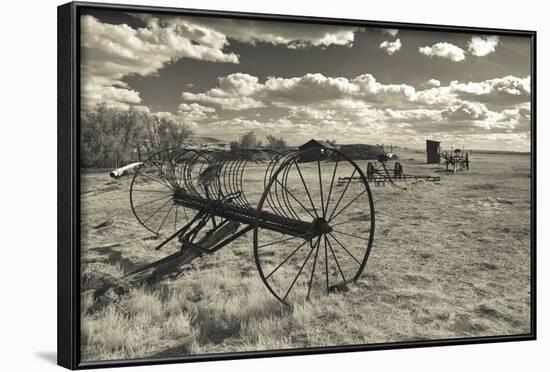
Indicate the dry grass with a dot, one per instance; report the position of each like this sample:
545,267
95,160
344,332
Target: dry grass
448,261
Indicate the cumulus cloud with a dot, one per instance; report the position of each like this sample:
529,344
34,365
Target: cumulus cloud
292,35
433,83
466,111
242,91
112,92
502,91
390,31
234,92
314,104
391,47
110,52
480,46
443,50
196,112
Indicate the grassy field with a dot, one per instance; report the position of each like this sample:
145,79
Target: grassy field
448,261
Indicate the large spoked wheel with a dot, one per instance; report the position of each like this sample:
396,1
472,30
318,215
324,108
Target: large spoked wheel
153,188
319,187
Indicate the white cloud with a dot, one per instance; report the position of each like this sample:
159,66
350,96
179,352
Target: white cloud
110,91
293,35
390,31
391,47
195,112
372,90
481,46
116,51
307,88
226,102
466,111
414,115
443,50
242,91
433,83
110,52
498,89
314,105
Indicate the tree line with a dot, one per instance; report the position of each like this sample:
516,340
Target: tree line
250,141
111,137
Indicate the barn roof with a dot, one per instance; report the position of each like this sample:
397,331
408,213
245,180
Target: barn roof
318,143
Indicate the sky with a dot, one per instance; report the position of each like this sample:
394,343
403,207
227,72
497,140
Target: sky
224,77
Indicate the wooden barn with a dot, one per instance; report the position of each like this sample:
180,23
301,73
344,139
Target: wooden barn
432,151
312,155
362,151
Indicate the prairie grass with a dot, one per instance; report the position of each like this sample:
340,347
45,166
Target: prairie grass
448,261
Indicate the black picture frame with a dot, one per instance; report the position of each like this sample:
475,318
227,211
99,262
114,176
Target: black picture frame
68,90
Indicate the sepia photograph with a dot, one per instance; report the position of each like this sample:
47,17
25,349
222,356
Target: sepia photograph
257,184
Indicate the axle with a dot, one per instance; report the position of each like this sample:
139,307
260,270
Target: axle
248,216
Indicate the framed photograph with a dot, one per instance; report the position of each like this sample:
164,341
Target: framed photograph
237,185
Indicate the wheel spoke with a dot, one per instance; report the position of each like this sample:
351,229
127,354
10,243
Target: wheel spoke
348,221
284,240
165,217
345,249
161,171
176,217
335,260
321,187
299,202
299,272
157,181
185,213
152,201
350,235
286,259
326,261
347,205
313,269
181,174
307,190
343,193
161,191
162,206
330,190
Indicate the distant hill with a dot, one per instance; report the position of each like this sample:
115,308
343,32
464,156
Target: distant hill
207,140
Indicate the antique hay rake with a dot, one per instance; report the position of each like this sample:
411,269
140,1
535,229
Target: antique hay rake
309,236
457,160
379,173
